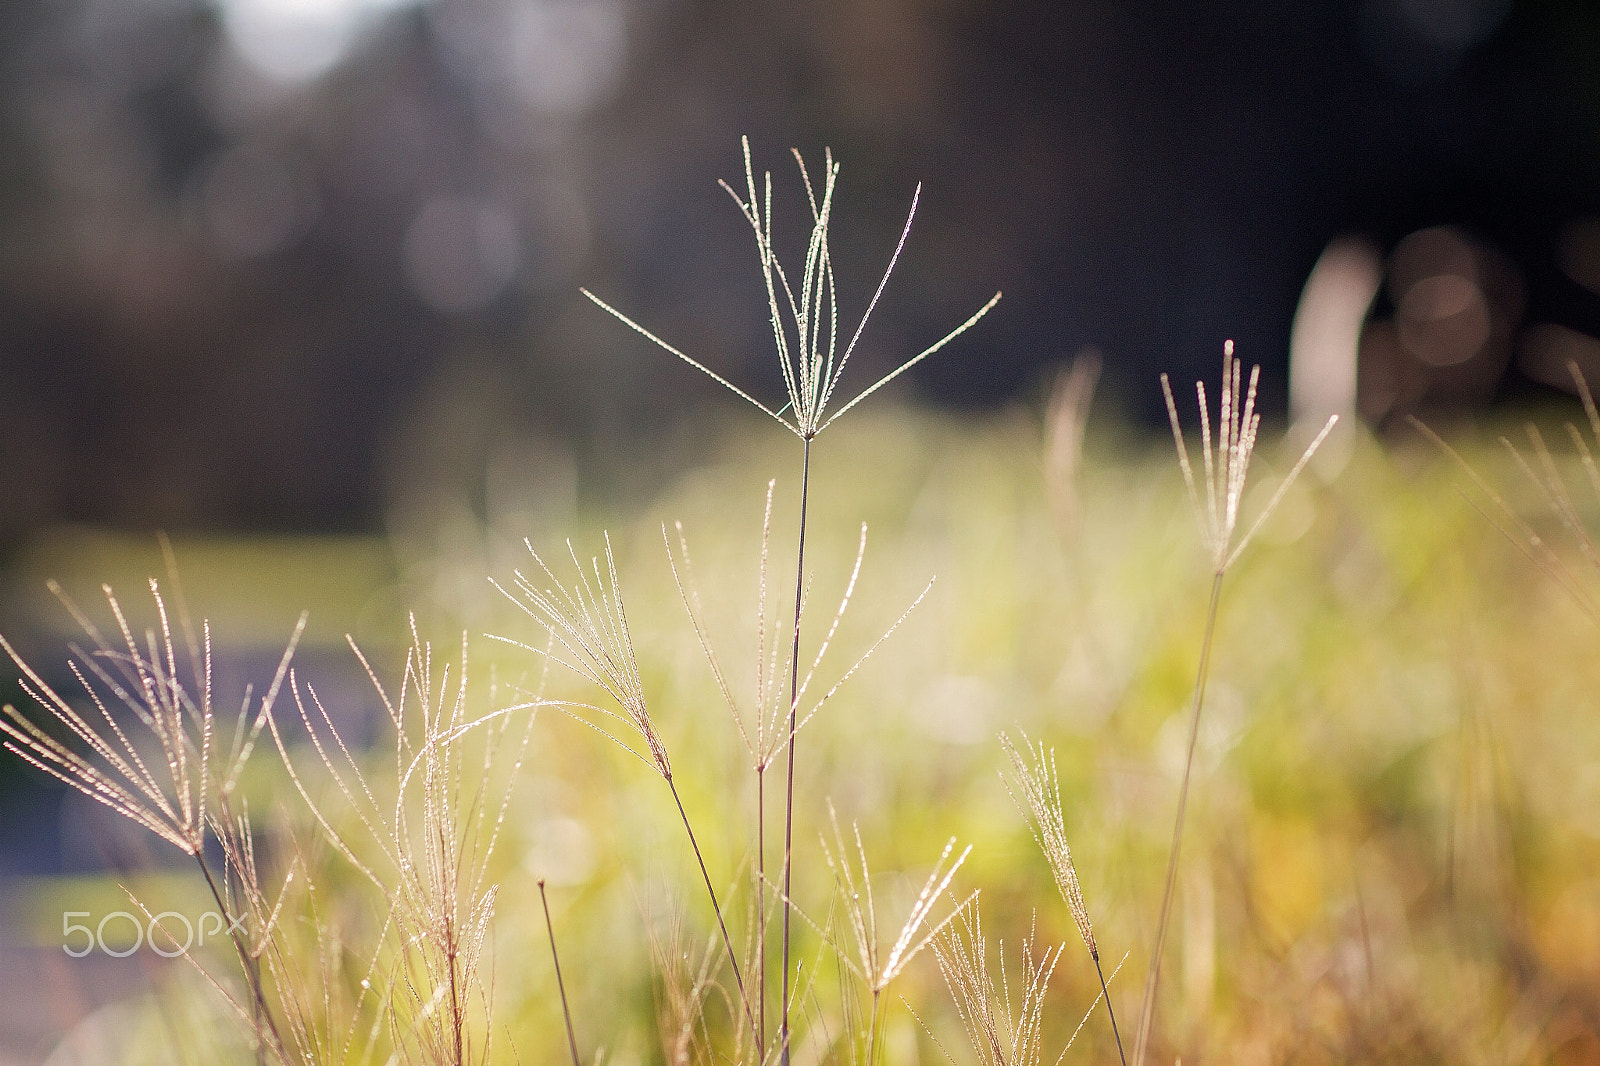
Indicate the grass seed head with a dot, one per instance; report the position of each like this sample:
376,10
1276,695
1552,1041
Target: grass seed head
588,630
803,306
1002,1032
871,964
166,791
1226,461
1037,780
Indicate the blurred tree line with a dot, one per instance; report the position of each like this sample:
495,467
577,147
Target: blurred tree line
275,264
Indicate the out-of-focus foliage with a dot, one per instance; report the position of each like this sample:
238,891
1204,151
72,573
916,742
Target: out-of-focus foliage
1392,841
250,249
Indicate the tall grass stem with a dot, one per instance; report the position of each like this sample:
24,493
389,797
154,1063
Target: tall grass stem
252,972
716,907
761,908
1106,992
1147,1012
566,1011
794,697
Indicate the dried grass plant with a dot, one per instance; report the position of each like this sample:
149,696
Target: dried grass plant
1216,499
762,729
155,755
429,847
164,770
1000,1031
589,624
585,623
873,968
803,309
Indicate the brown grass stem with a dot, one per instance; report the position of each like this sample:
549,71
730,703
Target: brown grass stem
1106,993
555,957
452,954
761,909
875,1026
716,907
1147,1012
267,1026
794,702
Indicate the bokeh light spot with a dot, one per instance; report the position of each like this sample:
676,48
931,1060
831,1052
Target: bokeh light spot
459,254
298,40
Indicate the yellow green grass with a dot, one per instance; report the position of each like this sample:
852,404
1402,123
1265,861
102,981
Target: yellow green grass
1394,825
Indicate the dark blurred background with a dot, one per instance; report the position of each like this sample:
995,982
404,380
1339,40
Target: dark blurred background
272,265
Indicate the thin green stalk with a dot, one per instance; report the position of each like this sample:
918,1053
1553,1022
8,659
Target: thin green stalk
566,1011
1147,1013
733,958
794,696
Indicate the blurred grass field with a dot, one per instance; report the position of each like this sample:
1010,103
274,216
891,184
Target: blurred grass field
1393,834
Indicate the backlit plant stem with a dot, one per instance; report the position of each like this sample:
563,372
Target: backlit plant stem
794,697
716,907
761,907
1147,1013
566,1011
1106,995
875,1026
252,971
